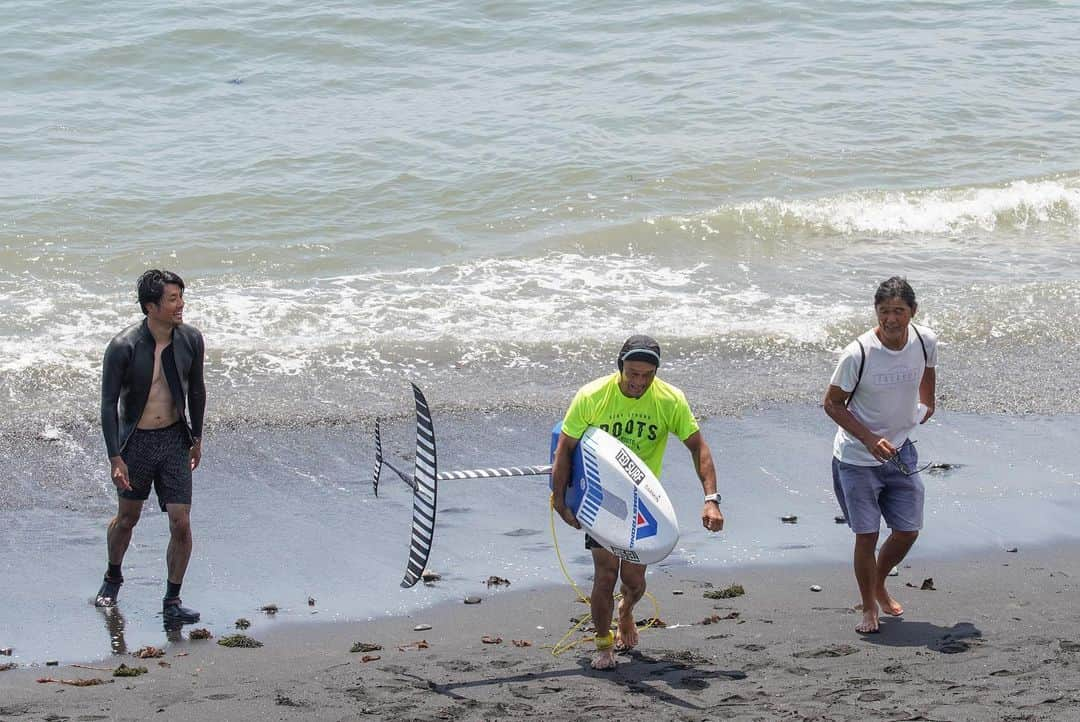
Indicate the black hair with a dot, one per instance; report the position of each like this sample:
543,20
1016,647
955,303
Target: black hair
895,287
151,285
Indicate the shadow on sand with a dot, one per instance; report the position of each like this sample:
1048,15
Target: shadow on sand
895,632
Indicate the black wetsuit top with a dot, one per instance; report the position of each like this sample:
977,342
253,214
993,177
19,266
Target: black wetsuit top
128,371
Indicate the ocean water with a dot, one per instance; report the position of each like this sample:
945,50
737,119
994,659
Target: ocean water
486,198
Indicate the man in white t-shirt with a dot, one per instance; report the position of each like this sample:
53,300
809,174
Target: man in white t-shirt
882,388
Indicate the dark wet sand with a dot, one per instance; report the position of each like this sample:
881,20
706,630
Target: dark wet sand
997,640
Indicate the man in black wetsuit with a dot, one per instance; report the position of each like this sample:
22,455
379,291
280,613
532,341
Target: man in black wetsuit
152,403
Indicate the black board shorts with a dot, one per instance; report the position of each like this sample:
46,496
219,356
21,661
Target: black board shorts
160,458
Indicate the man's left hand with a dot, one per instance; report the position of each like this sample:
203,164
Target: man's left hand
196,455
711,517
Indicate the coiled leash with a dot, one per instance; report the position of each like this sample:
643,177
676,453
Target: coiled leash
602,641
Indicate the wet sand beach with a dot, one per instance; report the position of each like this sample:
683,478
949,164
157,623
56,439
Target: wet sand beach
284,514
995,639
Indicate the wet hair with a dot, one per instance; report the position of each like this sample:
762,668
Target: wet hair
895,287
152,286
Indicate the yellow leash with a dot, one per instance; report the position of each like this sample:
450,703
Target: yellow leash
562,645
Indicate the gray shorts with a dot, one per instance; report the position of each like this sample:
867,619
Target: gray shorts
868,493
159,458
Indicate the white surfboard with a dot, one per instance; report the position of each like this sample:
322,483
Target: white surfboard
618,500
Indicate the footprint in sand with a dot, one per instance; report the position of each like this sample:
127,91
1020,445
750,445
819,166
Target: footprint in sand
874,696
839,650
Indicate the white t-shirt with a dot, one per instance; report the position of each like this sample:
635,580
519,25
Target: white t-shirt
887,396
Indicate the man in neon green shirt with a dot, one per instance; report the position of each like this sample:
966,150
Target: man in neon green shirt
639,410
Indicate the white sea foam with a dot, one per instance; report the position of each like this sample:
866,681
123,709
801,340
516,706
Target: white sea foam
489,304
1020,204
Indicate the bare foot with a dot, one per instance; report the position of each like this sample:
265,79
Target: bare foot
605,659
626,636
889,605
869,623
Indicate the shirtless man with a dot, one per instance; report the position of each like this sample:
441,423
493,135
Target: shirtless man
152,403
640,410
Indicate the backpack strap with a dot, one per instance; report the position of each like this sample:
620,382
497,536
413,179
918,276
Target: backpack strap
922,343
862,361
858,378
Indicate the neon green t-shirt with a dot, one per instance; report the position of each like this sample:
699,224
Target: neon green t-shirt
642,424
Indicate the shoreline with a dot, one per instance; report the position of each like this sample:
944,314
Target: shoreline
270,528
991,641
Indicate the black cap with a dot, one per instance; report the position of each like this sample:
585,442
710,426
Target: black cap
640,347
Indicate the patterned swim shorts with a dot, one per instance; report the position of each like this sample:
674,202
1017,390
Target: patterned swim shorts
160,458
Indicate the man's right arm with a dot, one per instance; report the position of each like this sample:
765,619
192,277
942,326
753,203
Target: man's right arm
112,379
560,477
835,405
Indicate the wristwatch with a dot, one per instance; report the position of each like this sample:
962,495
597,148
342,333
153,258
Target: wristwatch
712,497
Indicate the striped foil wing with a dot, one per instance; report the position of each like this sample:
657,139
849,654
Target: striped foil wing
378,459
424,498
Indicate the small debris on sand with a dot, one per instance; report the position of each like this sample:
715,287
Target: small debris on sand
928,584
284,701
7,665
239,640
430,576
242,623
164,664
735,590
494,581
370,658
1012,550
52,663
420,644
840,519
815,587
366,647
894,572
421,627
269,609
6,651
148,652
92,682
125,671
311,601
521,642
487,639
677,592
790,519
200,634
653,622
472,600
